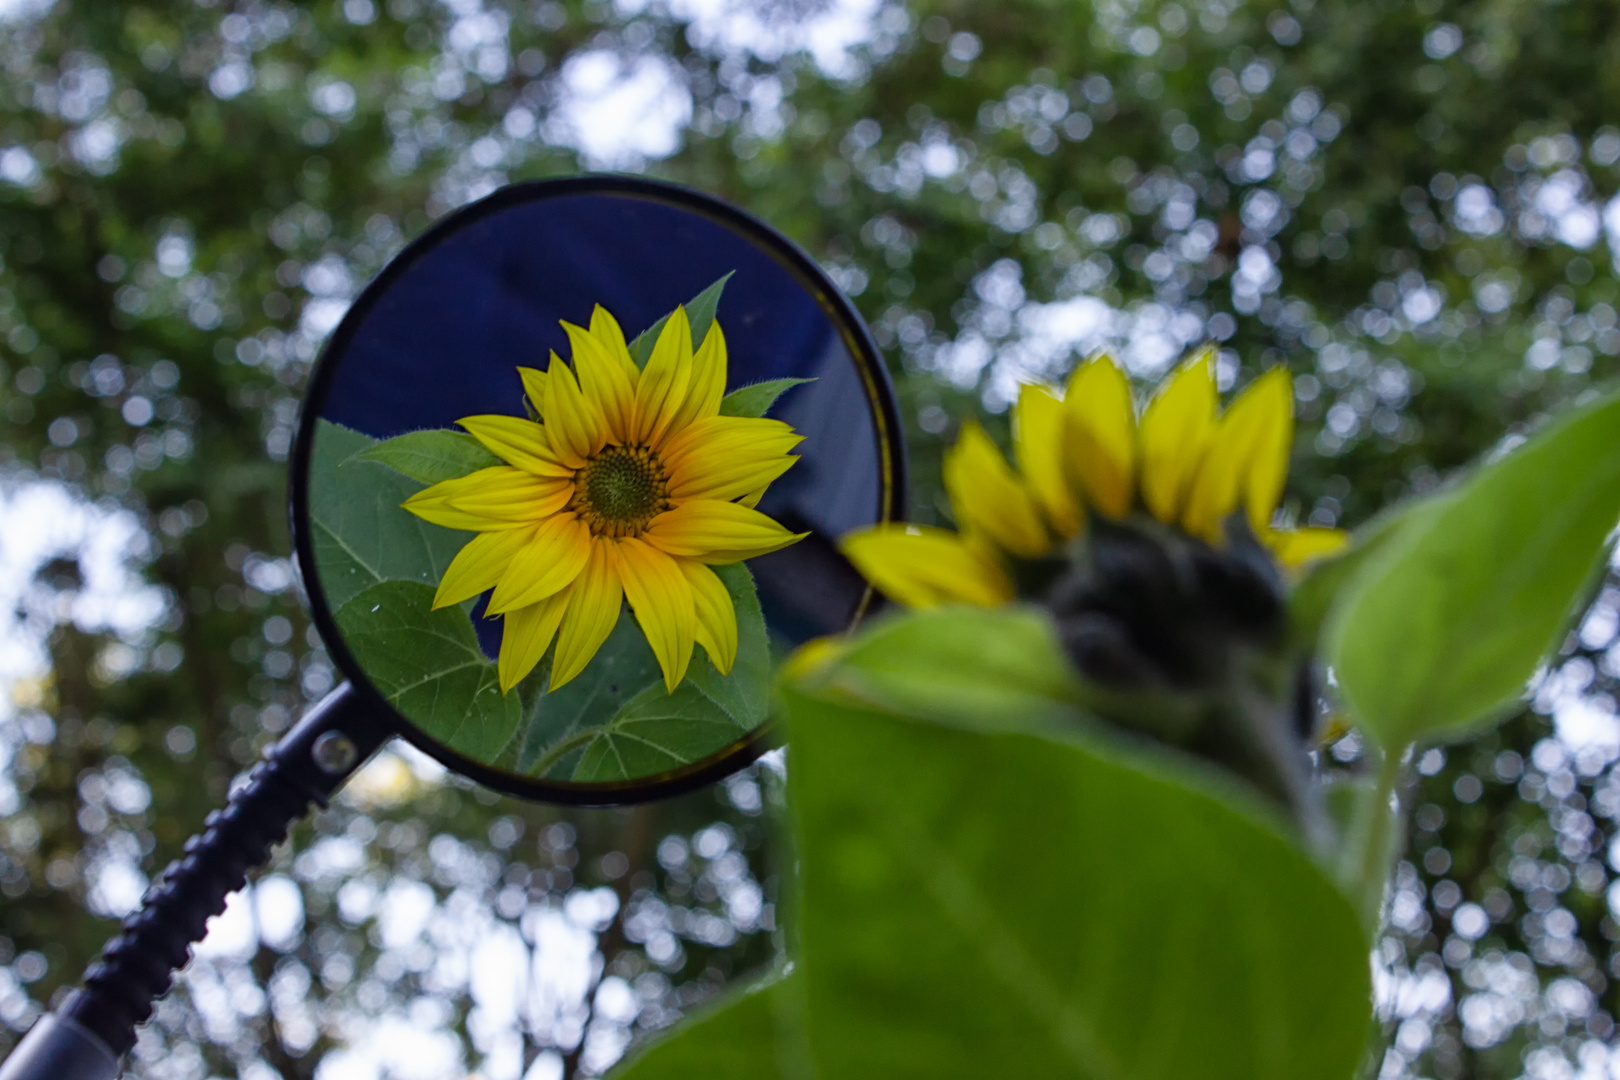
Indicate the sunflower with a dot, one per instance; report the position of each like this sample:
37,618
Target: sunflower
1185,463
628,486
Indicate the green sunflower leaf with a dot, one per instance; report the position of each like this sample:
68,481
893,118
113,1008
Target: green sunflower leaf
700,312
1440,632
701,308
430,457
655,732
428,665
756,400
361,536
1326,581
1179,927
558,721
378,566
981,669
1177,931
744,1036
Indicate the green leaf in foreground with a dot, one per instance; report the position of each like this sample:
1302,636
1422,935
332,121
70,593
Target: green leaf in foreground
980,901
360,534
428,665
756,400
429,457
1325,583
1021,905
751,1035
700,312
986,670
1441,631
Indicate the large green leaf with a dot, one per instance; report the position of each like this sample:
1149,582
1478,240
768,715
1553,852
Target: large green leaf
428,665
1025,905
756,400
981,901
1441,631
429,457
1002,670
360,535
1325,582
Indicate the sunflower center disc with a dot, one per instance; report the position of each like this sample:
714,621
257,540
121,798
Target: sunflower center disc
621,489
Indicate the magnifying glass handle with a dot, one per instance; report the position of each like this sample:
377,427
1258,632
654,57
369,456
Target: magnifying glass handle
96,1027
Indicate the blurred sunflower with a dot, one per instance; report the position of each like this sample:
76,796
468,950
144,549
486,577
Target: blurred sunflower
630,485
1184,463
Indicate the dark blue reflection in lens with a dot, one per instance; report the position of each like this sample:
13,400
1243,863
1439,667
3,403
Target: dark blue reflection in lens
446,337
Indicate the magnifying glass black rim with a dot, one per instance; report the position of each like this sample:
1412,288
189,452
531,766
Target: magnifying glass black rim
857,339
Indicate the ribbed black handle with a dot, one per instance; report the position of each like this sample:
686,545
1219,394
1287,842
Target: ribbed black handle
306,765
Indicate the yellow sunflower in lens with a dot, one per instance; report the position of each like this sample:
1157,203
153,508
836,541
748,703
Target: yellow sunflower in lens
629,487
1184,462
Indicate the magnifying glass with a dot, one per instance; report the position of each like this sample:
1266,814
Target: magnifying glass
568,478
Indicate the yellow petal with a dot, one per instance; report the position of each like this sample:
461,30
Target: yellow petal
1249,446
751,499
593,609
708,383
480,564
438,511
1038,423
716,616
534,385
1101,449
1175,431
549,563
717,532
518,442
661,389
724,457
513,503
988,497
727,435
733,479
603,380
921,566
661,597
494,498
605,329
1267,470
525,635
502,496
1296,547
574,425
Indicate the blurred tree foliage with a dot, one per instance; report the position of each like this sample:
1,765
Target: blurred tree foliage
1409,204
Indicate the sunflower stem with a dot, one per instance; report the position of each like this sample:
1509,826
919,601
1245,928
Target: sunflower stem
1367,864
561,750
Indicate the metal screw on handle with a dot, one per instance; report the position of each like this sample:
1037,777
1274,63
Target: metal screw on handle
334,753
